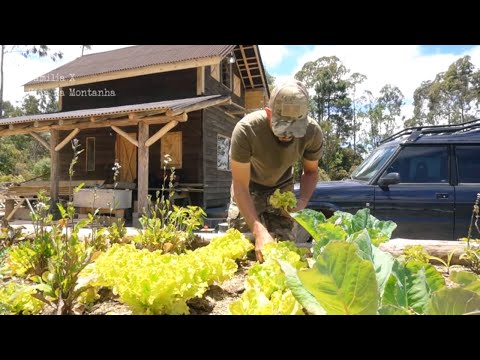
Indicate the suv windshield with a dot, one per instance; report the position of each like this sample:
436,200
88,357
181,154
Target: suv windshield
372,164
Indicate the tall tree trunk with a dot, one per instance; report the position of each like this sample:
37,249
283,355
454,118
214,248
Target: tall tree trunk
2,53
354,129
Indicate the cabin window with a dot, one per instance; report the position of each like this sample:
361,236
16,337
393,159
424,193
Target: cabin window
227,73
215,71
223,152
237,89
171,144
90,153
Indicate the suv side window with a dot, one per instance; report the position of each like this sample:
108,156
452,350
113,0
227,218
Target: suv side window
421,164
468,162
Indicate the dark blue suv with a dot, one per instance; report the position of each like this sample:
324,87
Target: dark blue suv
425,179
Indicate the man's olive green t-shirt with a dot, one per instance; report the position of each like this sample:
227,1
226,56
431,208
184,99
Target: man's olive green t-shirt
271,162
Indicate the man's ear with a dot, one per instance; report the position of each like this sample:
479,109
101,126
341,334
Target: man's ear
269,113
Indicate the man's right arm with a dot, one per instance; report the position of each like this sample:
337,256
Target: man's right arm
241,193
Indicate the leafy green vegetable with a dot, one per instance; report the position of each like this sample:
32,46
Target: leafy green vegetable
411,284
283,200
455,301
341,281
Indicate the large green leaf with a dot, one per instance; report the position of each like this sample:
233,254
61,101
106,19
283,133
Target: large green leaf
377,236
383,263
455,301
327,232
341,281
342,219
310,219
474,286
302,295
410,285
393,310
463,277
362,239
363,220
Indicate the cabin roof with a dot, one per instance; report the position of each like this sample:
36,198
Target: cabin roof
148,59
131,57
81,118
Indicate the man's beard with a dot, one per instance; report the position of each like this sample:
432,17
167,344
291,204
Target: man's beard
284,143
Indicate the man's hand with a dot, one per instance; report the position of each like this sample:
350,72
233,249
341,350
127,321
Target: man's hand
262,238
301,204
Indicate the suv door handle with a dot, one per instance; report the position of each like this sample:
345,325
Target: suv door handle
441,196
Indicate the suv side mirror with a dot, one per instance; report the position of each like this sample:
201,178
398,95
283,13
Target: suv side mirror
389,179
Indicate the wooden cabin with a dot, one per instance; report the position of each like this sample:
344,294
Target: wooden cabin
136,104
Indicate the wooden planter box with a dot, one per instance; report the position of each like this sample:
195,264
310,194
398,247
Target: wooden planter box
104,198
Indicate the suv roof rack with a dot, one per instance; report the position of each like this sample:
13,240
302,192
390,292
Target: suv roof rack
416,131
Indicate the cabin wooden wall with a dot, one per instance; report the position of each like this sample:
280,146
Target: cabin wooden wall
104,155
212,86
191,171
217,182
135,90
192,164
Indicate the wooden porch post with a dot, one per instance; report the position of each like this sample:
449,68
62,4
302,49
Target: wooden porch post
142,172
54,169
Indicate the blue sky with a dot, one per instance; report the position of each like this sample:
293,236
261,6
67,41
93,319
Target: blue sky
404,66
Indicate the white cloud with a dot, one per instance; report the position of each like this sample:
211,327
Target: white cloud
403,66
19,70
273,55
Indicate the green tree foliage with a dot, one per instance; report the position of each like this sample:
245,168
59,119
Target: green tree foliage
381,112
452,97
22,156
331,103
355,80
270,80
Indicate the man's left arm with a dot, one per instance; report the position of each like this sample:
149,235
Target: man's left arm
308,182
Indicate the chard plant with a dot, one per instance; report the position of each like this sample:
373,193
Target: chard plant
351,275
57,286
116,230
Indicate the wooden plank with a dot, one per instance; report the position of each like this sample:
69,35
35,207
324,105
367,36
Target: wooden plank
54,168
9,217
245,61
255,48
254,100
172,145
126,154
89,125
145,70
125,135
41,140
201,80
142,173
67,139
199,106
438,248
166,128
60,99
